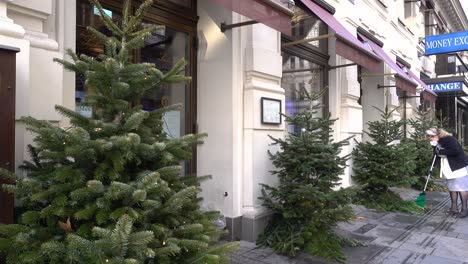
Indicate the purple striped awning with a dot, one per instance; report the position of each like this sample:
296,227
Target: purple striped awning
402,79
347,45
427,93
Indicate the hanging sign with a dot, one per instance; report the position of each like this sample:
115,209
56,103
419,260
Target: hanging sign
446,87
445,43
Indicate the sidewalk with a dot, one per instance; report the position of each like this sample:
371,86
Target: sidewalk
431,238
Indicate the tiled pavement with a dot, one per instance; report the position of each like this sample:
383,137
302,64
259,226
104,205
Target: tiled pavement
431,238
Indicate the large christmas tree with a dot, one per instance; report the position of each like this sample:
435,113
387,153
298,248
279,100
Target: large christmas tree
305,204
382,163
109,189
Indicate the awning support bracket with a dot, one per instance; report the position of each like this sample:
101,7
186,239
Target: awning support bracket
342,66
385,86
225,26
415,96
292,43
376,74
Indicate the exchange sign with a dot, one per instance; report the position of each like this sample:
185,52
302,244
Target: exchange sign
445,43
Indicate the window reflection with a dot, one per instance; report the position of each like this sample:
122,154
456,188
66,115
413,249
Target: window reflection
184,3
165,48
301,75
306,25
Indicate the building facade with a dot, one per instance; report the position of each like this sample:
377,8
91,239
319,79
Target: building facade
369,58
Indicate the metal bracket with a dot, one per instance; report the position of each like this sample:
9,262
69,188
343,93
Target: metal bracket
415,96
307,40
342,66
225,27
385,86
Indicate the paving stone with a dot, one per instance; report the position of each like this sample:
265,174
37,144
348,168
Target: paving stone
462,236
371,214
361,255
429,259
350,226
351,235
385,235
396,256
363,229
400,220
451,248
460,226
452,234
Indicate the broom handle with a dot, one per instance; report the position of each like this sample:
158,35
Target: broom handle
430,172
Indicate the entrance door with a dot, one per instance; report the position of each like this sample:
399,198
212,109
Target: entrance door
7,124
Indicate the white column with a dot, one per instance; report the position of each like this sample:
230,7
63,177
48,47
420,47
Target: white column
263,70
65,32
372,97
344,96
219,109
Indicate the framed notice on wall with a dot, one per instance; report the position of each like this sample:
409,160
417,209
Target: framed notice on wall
271,111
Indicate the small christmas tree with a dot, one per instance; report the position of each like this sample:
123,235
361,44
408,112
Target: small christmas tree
305,205
109,189
420,123
384,163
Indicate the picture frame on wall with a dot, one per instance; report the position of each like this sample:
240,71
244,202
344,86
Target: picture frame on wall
270,111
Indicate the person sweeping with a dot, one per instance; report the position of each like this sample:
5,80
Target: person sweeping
454,167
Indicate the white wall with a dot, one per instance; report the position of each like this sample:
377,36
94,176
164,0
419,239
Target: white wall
215,99
235,69
40,82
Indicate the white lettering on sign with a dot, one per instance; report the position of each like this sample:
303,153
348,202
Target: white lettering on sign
437,44
461,41
445,87
441,43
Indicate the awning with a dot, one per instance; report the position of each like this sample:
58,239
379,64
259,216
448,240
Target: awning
347,45
427,93
272,13
402,79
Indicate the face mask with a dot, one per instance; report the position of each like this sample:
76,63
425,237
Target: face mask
434,143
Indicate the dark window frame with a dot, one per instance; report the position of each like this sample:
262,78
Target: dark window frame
180,19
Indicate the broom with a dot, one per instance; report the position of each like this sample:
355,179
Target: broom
421,199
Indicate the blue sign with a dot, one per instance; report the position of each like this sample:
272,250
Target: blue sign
451,42
446,87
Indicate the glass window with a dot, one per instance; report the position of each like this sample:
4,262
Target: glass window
164,48
184,3
310,78
306,25
87,43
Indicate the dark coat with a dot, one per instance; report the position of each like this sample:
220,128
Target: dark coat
451,148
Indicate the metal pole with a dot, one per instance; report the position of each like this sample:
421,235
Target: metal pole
225,27
456,116
307,40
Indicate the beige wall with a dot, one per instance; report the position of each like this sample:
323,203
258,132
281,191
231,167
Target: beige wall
41,30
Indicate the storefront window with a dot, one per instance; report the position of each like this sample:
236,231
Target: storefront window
183,3
306,25
304,68
298,78
164,48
